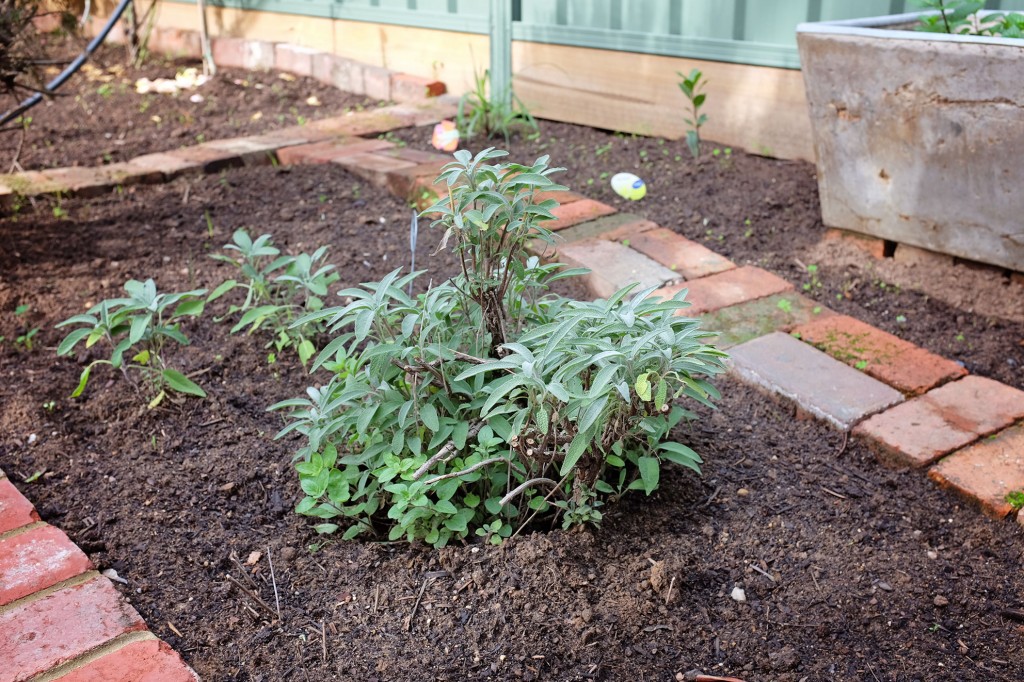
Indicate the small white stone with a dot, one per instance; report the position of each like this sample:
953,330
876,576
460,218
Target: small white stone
739,595
32,438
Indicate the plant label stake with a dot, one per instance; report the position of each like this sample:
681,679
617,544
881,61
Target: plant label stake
414,229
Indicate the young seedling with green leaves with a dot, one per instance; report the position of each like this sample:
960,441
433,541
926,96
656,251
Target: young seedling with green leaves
491,114
692,87
278,290
962,17
487,401
136,330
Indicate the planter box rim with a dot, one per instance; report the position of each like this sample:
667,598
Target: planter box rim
876,27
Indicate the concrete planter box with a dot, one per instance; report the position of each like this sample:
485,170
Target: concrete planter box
919,136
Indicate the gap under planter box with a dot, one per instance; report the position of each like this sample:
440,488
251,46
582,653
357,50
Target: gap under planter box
919,136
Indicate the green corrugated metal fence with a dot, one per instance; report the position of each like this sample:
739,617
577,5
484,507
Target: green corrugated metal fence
743,31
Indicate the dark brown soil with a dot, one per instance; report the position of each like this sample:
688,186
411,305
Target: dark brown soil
861,573
98,117
761,211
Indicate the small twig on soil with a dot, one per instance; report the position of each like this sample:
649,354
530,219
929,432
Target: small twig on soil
184,197
671,584
174,629
423,588
376,598
273,581
711,499
763,572
842,448
245,573
323,640
17,152
218,420
834,493
249,594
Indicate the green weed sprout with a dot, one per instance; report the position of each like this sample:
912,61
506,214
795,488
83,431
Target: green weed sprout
692,86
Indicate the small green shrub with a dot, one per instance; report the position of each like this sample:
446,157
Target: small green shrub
139,327
470,409
491,114
961,17
1016,499
692,87
278,290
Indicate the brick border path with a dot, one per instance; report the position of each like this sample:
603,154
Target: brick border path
914,408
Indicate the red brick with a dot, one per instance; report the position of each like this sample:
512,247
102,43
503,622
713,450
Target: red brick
377,82
43,633
426,112
175,42
917,257
169,166
688,258
418,157
331,150
888,358
253,55
340,72
986,471
872,246
15,510
561,196
294,59
628,231
612,266
373,167
925,428
403,182
727,288
37,559
577,212
408,88
149,660
372,122
220,154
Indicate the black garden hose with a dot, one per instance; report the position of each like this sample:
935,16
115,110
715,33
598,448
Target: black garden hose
70,70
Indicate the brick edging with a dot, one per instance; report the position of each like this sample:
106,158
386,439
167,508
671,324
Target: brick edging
46,579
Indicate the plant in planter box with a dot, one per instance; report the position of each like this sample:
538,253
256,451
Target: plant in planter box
486,401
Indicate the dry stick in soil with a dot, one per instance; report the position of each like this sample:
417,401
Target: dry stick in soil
443,452
240,586
273,581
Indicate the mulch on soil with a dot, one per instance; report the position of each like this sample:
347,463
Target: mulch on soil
850,571
98,118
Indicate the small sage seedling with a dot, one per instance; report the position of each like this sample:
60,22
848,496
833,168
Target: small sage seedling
138,328
278,290
692,86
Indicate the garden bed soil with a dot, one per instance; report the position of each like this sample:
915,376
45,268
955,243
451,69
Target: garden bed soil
850,571
98,118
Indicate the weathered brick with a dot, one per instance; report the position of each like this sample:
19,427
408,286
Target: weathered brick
917,257
42,633
15,510
884,356
377,82
215,156
344,74
820,385
561,196
986,471
925,428
165,163
370,122
781,312
239,53
294,59
175,42
36,559
373,167
428,111
328,151
149,660
728,288
577,212
613,227
690,259
408,88
613,266
403,183
872,246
